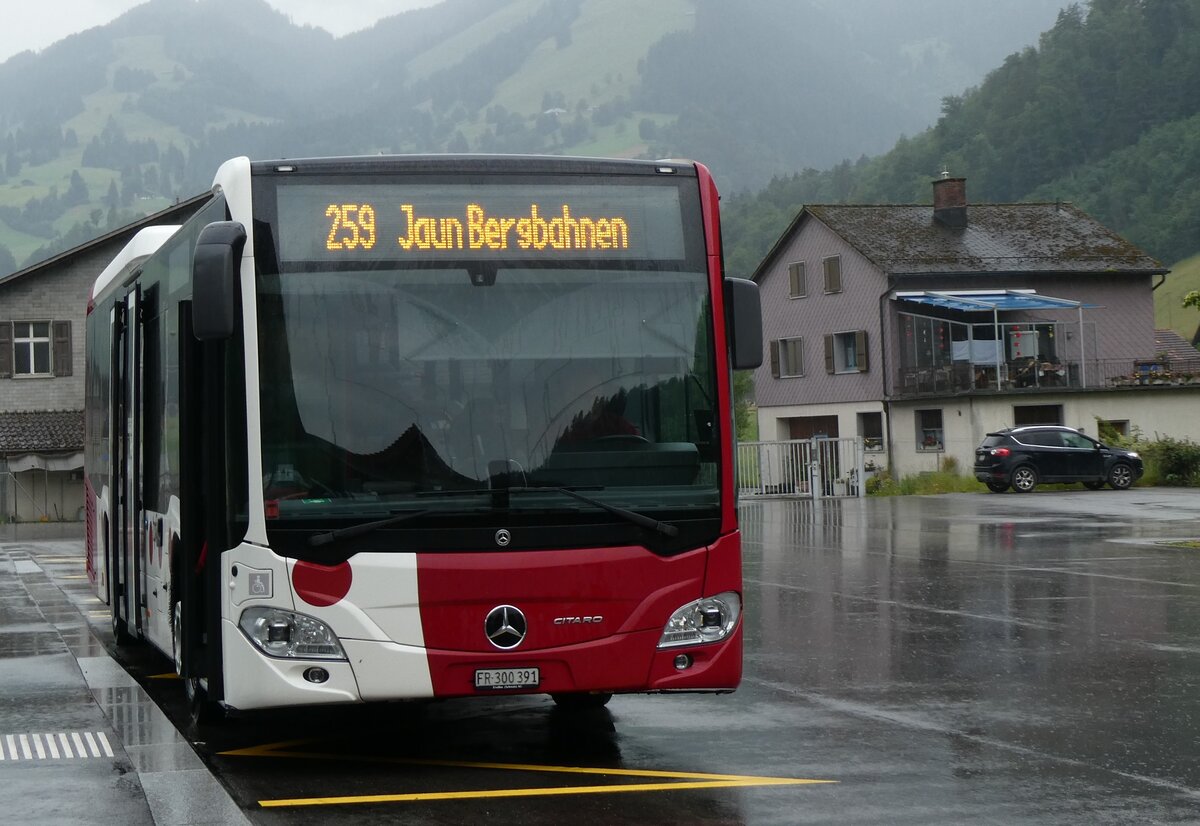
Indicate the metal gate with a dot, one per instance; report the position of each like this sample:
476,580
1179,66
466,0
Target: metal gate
814,468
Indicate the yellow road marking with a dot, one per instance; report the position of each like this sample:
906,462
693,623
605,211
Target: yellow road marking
685,780
544,792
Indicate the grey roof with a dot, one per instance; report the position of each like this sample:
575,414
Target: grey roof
998,238
1175,346
41,431
178,211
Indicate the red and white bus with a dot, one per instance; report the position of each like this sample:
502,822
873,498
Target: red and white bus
379,428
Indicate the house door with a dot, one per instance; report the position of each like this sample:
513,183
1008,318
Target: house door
824,431
813,427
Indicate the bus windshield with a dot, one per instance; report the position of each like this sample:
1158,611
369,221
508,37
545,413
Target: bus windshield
391,384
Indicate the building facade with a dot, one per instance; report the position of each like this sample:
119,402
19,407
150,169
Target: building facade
43,312
920,329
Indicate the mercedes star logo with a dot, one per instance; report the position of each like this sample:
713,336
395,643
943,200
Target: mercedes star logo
503,537
505,626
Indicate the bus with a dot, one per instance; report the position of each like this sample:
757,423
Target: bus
394,427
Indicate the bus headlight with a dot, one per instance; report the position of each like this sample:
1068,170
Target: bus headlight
280,633
706,620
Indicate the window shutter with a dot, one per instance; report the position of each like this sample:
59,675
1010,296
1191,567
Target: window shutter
860,350
796,286
6,351
62,348
829,353
775,359
795,357
833,274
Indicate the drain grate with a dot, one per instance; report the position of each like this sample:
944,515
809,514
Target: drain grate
72,745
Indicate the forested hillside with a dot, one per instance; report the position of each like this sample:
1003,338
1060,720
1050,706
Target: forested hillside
121,120
1104,112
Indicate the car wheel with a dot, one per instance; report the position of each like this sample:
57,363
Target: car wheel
997,487
1024,479
1120,476
1093,485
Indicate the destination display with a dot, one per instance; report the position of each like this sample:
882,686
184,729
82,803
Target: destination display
368,222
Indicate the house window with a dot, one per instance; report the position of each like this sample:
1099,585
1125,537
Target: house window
929,430
870,430
35,348
797,288
833,274
31,348
846,352
787,358
1027,414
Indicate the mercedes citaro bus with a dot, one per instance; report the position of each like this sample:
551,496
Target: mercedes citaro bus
378,428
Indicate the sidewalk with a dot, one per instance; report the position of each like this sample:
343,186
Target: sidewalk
80,741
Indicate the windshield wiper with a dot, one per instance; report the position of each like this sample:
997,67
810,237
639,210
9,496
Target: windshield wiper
319,539
639,519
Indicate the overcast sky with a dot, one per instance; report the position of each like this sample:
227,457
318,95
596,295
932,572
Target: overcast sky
35,26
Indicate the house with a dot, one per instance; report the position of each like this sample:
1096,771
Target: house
920,329
43,309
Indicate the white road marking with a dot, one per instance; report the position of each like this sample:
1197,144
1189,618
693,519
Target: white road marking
55,746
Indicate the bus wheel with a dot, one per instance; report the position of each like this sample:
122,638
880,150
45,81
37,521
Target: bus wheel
120,629
176,636
202,711
580,702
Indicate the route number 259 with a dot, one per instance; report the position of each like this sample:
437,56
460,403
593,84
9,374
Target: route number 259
352,227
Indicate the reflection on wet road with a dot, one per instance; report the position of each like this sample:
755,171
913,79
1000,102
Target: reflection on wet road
1021,659
1006,659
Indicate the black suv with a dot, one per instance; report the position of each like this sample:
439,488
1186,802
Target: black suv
1023,456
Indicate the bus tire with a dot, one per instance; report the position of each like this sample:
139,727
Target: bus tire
120,632
201,710
120,628
176,633
580,702
204,712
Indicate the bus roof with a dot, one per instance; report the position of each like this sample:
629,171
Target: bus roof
548,164
140,247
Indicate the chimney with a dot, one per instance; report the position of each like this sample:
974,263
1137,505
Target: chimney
950,201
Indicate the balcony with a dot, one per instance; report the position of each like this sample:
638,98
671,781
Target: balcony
1034,376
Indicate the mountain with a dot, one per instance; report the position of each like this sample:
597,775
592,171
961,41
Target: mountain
120,120
1169,312
1104,112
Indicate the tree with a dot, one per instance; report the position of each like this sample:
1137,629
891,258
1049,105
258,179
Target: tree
1192,299
77,193
743,404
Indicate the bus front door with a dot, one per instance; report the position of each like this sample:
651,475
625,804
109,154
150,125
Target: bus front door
125,564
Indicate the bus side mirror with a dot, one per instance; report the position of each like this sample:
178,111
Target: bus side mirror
744,311
214,279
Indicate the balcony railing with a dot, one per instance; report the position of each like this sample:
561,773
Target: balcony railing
1027,375
1149,372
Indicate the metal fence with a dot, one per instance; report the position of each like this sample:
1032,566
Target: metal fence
813,468
961,377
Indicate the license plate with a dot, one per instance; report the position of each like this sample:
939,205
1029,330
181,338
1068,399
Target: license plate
503,679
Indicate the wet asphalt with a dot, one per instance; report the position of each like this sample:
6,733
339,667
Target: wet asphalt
968,658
